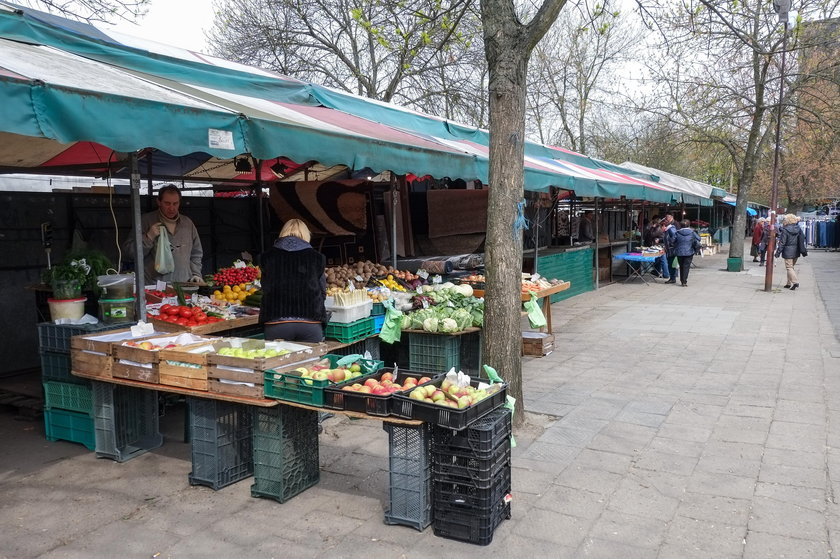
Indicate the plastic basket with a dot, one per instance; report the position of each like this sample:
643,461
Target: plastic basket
378,321
221,432
466,497
56,366
435,353
292,387
481,438
69,426
468,468
470,358
405,407
285,452
377,309
56,337
126,421
471,528
336,398
368,345
67,396
409,476
349,333
346,315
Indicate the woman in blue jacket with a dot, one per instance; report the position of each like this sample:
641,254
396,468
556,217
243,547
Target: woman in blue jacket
686,245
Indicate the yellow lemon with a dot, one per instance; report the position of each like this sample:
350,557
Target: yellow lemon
236,289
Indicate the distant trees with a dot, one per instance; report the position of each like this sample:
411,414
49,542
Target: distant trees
91,10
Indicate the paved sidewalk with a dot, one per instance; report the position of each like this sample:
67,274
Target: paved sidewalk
669,422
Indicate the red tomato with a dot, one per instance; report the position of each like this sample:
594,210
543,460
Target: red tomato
165,308
184,312
199,315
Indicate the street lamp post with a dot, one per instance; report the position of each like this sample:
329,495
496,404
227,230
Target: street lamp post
782,8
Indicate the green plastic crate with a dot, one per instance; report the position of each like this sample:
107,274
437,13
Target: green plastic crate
378,310
433,353
69,426
126,421
349,333
292,387
67,396
286,457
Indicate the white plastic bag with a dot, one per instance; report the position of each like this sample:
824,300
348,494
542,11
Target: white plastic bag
164,261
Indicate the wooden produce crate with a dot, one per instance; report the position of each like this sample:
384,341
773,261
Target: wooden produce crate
93,354
186,366
250,320
135,363
560,286
250,382
537,343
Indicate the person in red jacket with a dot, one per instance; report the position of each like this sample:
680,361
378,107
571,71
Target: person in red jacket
758,231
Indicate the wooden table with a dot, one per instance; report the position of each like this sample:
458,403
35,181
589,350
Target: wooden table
545,295
214,327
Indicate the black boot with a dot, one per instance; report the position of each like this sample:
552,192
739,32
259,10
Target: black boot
794,286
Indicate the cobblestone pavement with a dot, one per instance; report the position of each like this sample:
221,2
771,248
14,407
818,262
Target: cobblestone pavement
668,422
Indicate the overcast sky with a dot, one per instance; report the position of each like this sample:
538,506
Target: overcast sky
181,24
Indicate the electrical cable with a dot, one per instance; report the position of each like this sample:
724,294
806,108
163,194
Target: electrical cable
114,217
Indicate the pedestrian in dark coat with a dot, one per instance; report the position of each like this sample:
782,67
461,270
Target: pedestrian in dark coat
686,245
791,246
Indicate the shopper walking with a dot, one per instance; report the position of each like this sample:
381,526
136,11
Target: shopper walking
669,237
758,231
686,245
791,246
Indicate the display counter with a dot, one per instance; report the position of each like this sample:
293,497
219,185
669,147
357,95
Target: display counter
572,264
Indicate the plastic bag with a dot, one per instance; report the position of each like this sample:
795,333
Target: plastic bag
535,314
392,327
164,261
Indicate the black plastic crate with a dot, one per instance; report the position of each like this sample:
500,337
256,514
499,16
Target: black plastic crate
476,529
434,353
222,452
457,419
126,421
480,437
470,358
409,475
285,452
369,345
466,467
336,398
56,337
453,495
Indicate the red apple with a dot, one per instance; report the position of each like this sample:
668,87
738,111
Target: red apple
387,376
370,383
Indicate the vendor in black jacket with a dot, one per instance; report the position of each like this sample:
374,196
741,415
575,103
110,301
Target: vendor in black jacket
294,287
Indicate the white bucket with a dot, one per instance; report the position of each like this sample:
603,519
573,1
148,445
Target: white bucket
73,309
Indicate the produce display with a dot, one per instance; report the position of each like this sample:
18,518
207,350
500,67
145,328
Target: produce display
385,385
449,394
236,275
251,353
361,273
186,315
538,285
149,345
319,371
236,293
444,308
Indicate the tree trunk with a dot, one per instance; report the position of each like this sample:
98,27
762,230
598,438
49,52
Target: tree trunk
507,61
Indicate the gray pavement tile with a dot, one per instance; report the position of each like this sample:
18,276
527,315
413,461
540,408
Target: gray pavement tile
551,526
729,465
715,508
795,458
628,530
528,481
583,422
795,436
587,479
668,484
542,451
692,413
699,397
603,460
682,432
745,451
599,408
786,519
747,410
641,499
658,406
725,485
542,466
563,434
641,418
547,407
736,435
704,538
574,502
806,497
595,548
655,460
792,475
512,545
669,551
674,446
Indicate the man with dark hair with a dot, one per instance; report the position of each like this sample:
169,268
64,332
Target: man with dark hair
183,239
586,234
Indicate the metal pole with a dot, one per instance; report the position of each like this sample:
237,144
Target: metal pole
774,194
537,239
393,223
139,264
597,264
259,193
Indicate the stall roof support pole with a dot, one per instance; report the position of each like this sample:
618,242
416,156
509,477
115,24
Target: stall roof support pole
259,193
139,264
597,233
393,222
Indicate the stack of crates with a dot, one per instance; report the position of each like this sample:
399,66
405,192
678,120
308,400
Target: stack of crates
68,402
222,452
285,452
126,421
472,478
409,476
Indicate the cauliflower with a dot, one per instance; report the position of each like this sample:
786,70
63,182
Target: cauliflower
448,325
430,325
